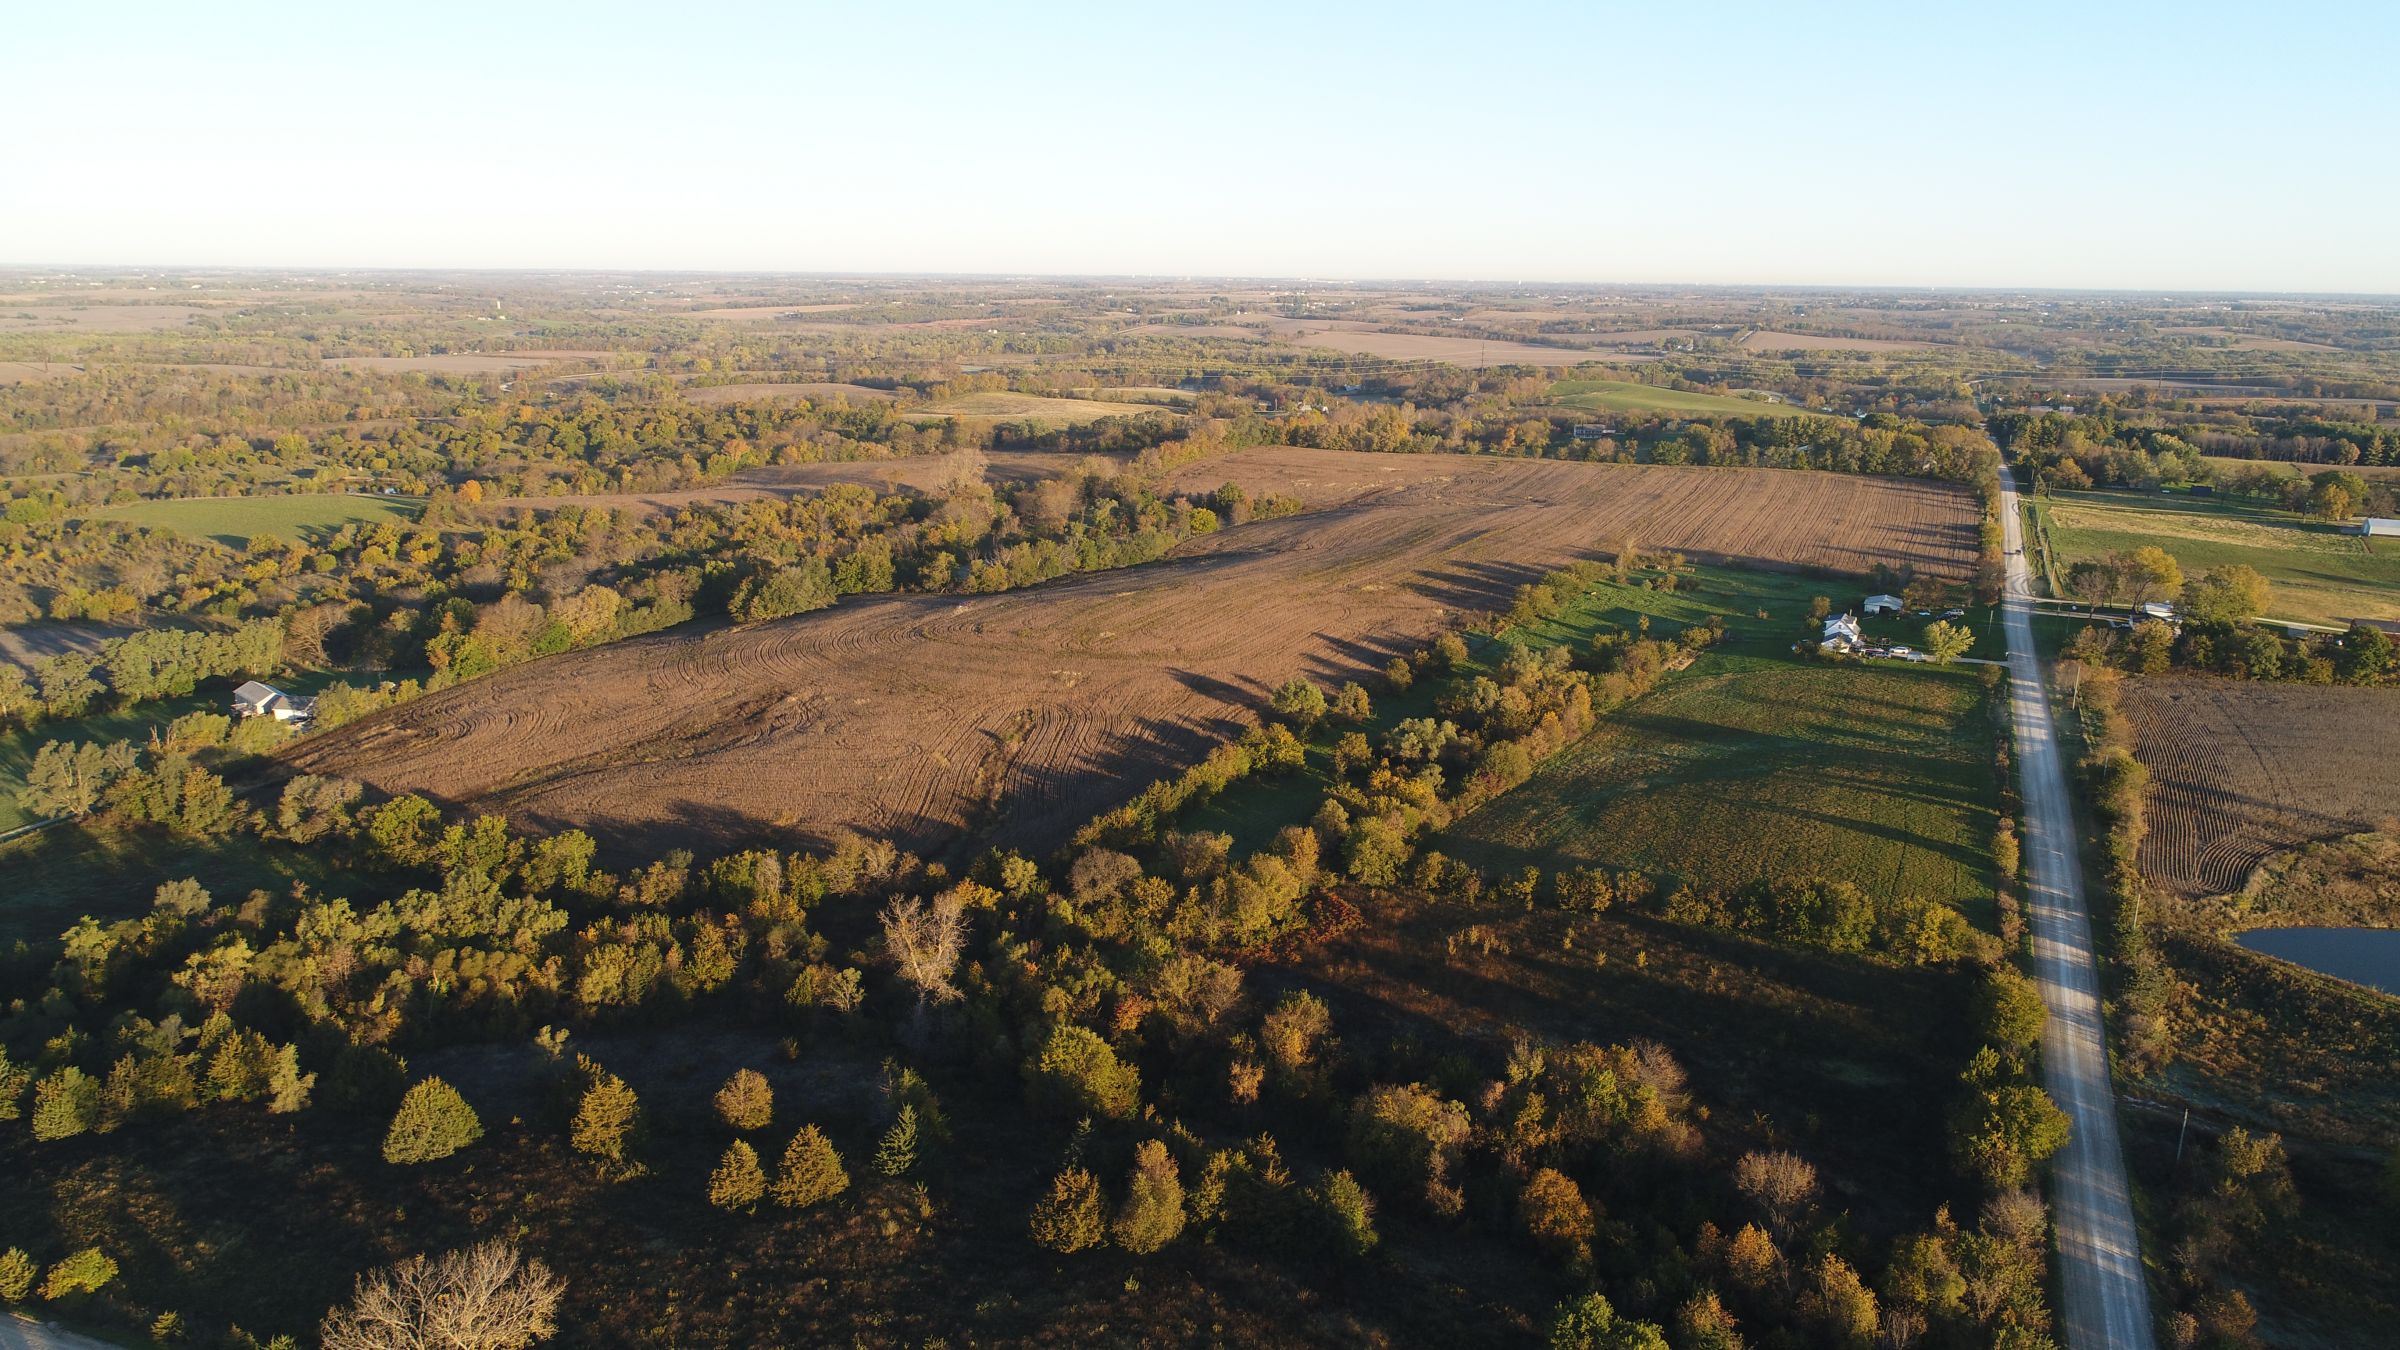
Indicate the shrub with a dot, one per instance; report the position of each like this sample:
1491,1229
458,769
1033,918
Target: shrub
16,1275
84,1272
1078,1071
1068,1218
433,1122
1347,1213
1591,1323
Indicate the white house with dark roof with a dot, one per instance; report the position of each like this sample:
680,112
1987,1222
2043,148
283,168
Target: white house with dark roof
254,699
1842,635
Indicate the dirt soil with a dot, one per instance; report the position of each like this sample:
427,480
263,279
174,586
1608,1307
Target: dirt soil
2240,772
947,722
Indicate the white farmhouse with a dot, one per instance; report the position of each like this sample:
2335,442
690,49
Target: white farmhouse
1842,635
254,699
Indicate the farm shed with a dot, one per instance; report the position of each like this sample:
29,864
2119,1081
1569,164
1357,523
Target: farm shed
1885,604
2380,527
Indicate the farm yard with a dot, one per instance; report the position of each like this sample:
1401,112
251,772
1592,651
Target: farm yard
235,521
1620,396
2319,573
914,716
2242,771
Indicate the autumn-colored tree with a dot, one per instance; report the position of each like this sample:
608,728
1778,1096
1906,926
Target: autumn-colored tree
1557,1217
1592,1323
17,1272
747,1101
1152,1214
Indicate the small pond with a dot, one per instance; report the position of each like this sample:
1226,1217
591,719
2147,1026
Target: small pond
2368,956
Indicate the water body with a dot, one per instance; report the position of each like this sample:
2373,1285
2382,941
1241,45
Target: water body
2368,956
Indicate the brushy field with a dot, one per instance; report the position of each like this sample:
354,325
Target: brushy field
2320,574
1623,397
1755,764
913,716
235,521
2240,771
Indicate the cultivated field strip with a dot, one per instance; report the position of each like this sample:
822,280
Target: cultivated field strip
1014,717
2240,772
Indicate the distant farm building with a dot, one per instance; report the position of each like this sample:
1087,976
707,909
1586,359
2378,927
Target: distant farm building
254,699
2155,609
2380,527
1885,604
1842,635
1590,431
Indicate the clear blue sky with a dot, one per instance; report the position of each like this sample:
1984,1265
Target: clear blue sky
2193,146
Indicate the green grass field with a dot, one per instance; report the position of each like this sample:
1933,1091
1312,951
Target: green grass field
1748,767
1753,762
2320,574
1623,397
235,521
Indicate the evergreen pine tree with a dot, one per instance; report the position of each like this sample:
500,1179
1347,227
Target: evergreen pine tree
898,1152
738,1181
812,1171
433,1122
1068,1218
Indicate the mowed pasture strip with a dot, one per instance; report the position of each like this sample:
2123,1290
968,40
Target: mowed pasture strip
1623,396
2241,771
235,521
1003,406
945,721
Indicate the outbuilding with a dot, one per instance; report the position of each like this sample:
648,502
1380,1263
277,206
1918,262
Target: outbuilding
1885,604
2380,527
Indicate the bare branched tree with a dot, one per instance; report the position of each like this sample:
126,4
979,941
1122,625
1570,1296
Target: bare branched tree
924,941
486,1297
1782,1183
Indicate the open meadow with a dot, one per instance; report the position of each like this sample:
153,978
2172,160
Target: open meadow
2321,573
235,521
2241,771
1025,713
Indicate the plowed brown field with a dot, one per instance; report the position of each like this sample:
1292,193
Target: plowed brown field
947,723
2240,772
